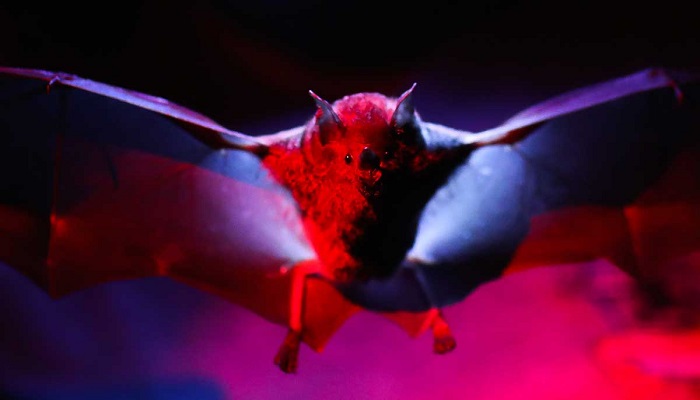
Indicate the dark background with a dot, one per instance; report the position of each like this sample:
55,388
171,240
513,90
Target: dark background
245,62
249,65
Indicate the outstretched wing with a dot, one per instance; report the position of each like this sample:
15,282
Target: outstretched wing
601,94
195,123
99,183
611,171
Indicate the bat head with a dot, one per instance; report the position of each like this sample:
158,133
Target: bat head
366,135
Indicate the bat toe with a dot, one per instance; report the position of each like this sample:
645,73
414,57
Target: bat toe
443,340
444,344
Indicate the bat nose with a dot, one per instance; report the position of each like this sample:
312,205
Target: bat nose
368,159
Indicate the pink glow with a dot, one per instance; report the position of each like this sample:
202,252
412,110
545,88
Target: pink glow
540,334
560,332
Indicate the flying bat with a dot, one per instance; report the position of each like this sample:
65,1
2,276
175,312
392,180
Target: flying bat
365,206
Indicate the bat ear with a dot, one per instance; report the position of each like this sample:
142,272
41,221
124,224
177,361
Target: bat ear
329,124
404,120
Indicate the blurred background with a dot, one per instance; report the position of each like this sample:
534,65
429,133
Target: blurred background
242,61
567,332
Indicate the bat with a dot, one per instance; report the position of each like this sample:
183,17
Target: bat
365,207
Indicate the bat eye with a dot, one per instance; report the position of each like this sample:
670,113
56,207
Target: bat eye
368,159
348,158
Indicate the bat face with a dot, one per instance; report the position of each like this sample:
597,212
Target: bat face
357,142
353,168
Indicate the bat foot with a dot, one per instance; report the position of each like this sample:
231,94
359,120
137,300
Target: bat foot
288,353
443,340
444,344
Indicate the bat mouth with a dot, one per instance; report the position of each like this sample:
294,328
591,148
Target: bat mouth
371,182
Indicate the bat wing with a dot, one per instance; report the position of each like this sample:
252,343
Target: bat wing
610,171
100,183
196,124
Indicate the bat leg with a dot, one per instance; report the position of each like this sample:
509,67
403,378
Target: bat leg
443,340
288,354
415,323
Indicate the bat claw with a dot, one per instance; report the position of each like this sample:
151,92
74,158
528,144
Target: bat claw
288,353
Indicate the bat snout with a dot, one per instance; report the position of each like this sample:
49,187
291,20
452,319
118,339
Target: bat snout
369,159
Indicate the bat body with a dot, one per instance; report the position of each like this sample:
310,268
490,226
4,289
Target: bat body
365,206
